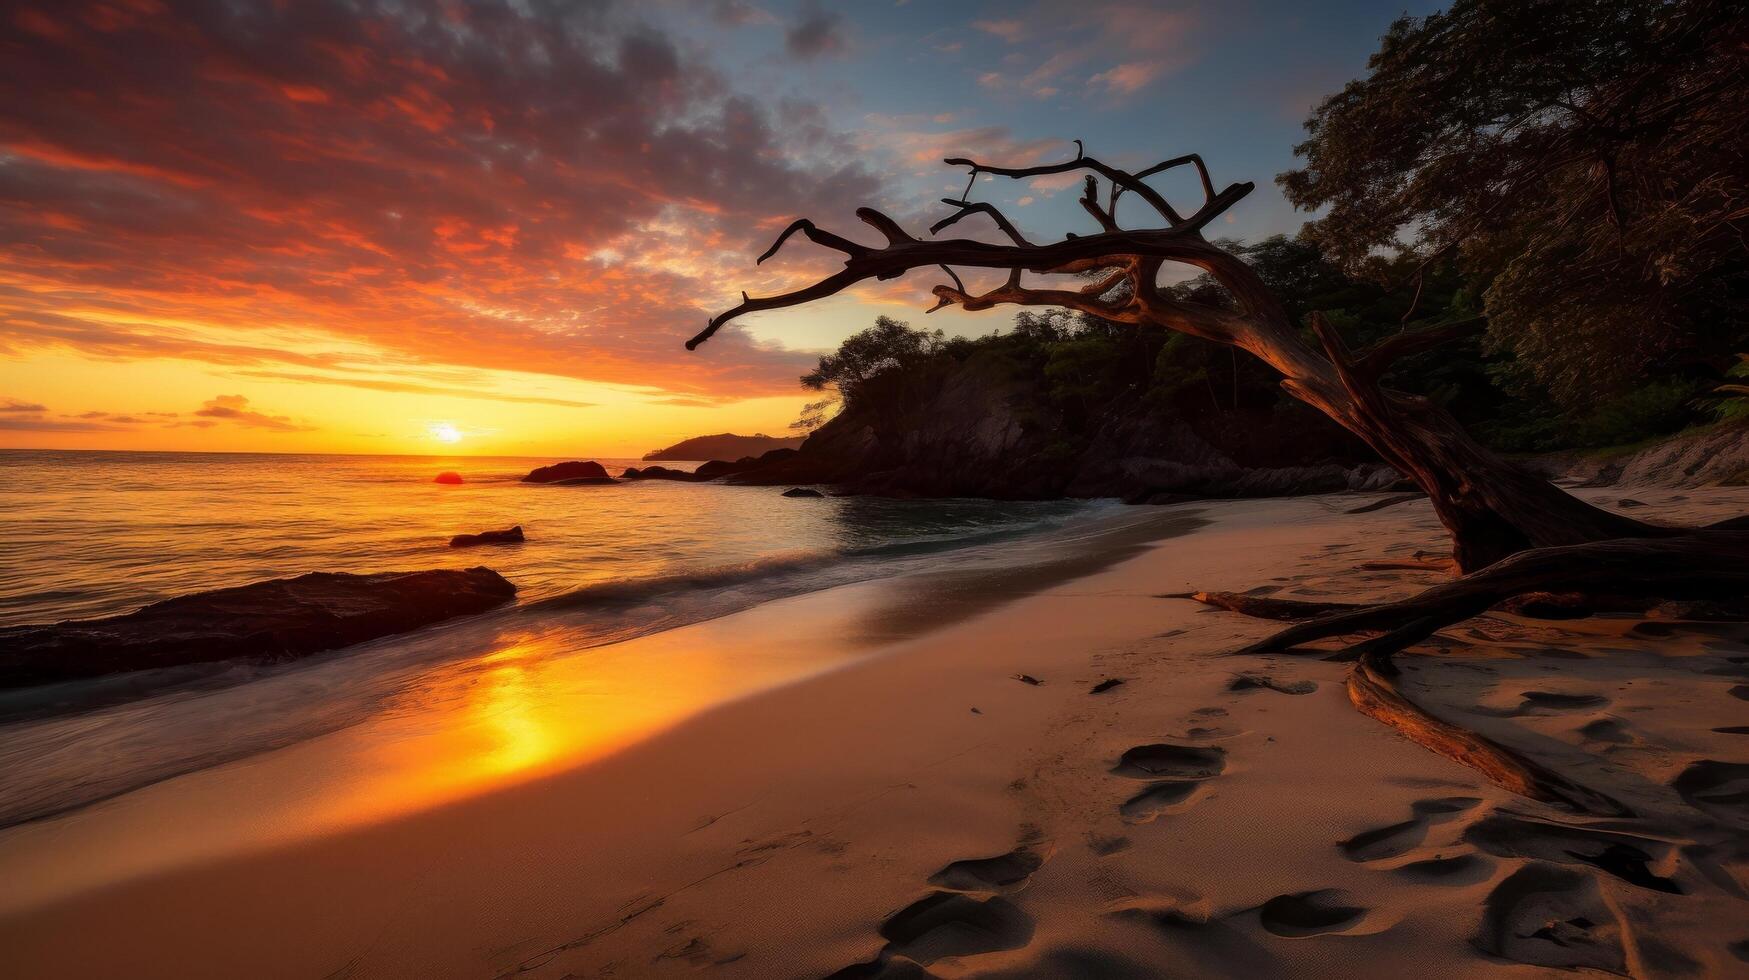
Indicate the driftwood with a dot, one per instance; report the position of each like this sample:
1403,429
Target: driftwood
1373,688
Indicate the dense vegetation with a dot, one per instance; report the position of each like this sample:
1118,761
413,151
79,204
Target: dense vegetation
1580,194
1090,369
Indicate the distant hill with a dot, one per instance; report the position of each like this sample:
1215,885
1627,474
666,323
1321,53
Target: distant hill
725,446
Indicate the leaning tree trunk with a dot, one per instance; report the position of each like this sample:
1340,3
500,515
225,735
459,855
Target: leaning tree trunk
1491,507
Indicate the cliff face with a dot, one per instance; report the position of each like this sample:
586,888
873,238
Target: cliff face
724,446
983,429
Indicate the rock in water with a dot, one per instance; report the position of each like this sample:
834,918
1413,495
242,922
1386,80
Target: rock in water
448,477
585,471
659,473
802,492
280,619
510,535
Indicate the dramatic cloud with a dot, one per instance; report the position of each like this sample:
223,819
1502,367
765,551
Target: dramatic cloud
1128,78
816,32
235,408
413,387
500,184
1069,45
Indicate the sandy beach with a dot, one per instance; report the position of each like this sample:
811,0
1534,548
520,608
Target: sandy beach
900,802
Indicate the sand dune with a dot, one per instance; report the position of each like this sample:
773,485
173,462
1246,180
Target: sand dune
924,812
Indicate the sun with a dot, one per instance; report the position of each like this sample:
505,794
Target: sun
446,433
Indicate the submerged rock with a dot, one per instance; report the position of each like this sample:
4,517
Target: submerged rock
448,477
280,619
510,535
574,472
802,492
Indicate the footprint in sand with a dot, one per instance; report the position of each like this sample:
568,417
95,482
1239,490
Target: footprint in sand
1005,872
1625,856
1306,914
1610,730
1549,916
1160,799
1718,788
1461,869
940,925
1399,838
1164,760
944,924
1178,770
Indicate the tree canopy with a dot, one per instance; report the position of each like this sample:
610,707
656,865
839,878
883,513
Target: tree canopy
1587,161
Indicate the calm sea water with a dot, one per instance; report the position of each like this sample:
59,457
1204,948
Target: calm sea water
91,534
94,534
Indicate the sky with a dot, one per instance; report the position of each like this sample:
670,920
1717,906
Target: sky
486,228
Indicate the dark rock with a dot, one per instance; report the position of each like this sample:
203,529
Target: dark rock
1028,679
510,535
1105,685
659,473
802,492
448,477
719,468
587,471
990,427
280,619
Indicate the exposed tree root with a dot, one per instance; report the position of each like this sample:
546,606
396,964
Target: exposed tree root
1565,582
1262,607
1373,689
1705,564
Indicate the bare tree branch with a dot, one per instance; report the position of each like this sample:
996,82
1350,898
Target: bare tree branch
968,208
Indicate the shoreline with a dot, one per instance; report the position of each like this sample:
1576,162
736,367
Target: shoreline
776,833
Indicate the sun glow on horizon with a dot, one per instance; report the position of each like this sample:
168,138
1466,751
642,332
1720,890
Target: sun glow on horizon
446,433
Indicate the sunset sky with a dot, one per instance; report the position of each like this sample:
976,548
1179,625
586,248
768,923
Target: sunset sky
487,228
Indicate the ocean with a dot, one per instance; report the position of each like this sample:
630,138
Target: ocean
89,534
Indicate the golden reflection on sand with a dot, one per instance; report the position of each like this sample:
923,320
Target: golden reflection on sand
533,705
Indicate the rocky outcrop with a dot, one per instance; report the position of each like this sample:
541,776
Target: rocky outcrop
510,535
802,492
659,473
724,446
1704,457
984,429
764,463
569,474
279,619
448,478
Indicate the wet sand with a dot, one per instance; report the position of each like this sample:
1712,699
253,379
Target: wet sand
904,802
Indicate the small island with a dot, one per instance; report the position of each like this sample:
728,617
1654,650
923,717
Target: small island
725,446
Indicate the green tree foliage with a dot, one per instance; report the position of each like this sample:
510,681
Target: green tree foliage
889,344
1587,164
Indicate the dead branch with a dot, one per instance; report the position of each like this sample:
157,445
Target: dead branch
1373,688
1262,607
978,207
